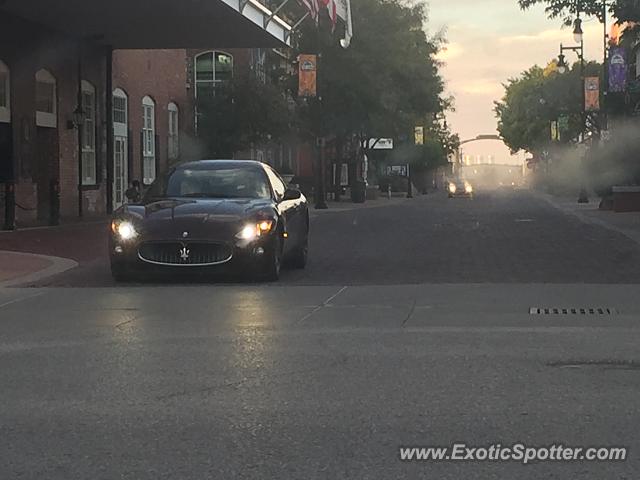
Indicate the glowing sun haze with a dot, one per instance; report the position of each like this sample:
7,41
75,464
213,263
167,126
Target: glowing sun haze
491,41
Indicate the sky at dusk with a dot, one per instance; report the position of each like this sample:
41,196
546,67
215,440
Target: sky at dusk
490,41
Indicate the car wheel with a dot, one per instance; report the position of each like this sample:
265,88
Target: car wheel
120,273
301,254
273,259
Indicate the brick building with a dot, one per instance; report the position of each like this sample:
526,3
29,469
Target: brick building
88,103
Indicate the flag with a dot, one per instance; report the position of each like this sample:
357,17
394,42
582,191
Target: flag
312,7
332,9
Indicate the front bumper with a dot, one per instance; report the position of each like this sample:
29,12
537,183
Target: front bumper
246,257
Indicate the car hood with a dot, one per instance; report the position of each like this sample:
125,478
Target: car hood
211,219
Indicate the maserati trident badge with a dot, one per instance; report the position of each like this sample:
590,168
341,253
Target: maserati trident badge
184,254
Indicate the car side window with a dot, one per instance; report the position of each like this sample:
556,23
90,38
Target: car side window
278,185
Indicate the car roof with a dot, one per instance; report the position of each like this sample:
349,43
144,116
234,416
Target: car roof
205,164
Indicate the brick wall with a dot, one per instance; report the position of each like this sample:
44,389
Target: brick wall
161,75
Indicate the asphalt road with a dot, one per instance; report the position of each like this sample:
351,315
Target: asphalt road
504,237
412,327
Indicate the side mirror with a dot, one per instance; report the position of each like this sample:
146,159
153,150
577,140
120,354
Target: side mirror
291,194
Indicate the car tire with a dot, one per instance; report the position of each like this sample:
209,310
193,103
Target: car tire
120,273
300,255
273,261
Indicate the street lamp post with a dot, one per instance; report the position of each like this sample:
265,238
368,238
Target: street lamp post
578,36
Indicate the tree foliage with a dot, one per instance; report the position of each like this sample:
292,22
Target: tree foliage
568,10
243,111
385,83
535,99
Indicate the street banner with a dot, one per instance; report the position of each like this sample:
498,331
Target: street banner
307,75
419,135
555,133
592,94
617,70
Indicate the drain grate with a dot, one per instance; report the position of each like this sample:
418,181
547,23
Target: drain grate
573,311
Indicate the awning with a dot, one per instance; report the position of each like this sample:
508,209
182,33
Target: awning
154,24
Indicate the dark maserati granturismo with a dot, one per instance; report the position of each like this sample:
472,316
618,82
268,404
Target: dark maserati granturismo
226,216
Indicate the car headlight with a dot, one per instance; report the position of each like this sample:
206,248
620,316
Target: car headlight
452,188
124,229
251,231
468,188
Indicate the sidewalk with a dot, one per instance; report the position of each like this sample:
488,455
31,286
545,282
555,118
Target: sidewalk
627,224
35,253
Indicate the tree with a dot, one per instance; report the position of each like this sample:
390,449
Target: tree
535,99
384,83
241,112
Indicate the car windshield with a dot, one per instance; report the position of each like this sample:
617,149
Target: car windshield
232,182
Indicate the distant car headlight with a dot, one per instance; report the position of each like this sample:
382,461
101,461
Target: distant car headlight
468,188
251,231
124,229
452,188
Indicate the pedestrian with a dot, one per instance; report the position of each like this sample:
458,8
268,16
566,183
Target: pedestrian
133,192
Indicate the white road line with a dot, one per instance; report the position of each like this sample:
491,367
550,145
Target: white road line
324,304
21,299
334,296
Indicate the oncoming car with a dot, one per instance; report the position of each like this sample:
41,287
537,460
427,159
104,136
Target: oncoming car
459,188
230,216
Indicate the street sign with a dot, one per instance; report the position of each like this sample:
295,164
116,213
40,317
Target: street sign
381,144
398,170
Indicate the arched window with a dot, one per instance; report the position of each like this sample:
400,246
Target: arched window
5,94
148,140
120,110
212,68
89,134
173,137
46,100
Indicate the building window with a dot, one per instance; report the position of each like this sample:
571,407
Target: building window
173,137
46,114
212,69
89,134
148,141
119,106
258,64
5,97
120,113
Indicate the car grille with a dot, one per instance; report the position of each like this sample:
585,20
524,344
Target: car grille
184,254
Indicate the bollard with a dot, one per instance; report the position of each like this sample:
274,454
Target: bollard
54,193
9,206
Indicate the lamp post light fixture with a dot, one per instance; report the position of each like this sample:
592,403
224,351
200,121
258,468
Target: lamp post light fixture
578,34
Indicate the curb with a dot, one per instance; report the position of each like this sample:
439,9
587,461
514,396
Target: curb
58,265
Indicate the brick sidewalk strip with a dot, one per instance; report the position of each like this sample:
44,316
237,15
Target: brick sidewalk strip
17,268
